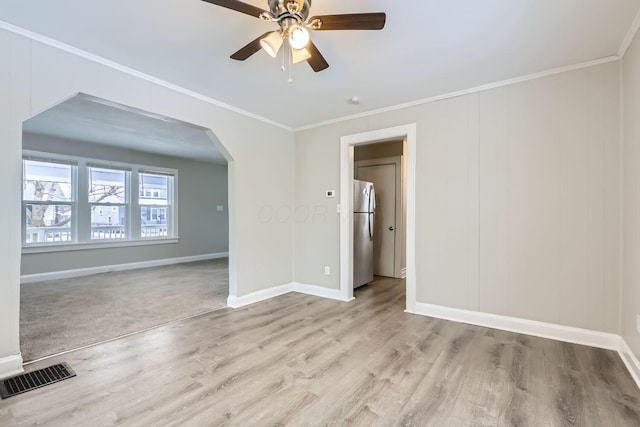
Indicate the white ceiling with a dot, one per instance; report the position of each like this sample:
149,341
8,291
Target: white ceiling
428,48
89,119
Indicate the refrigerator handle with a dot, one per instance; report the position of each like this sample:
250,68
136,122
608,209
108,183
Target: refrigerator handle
371,214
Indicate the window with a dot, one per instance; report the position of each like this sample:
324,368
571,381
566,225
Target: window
156,205
69,200
108,188
48,202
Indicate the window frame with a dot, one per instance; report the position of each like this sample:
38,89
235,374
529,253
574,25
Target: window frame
73,204
81,207
170,206
101,206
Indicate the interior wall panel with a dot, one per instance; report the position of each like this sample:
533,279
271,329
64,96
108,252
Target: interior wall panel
630,301
42,76
517,198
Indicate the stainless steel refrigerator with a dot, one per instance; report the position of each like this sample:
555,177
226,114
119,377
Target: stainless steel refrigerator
364,206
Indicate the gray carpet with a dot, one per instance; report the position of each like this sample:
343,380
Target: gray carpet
59,315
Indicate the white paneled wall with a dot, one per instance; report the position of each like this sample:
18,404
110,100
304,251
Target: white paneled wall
631,276
518,198
34,76
447,203
549,199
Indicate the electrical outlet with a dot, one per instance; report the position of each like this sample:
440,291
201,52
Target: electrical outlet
327,270
638,322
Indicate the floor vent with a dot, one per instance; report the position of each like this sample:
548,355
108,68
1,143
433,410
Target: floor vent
35,379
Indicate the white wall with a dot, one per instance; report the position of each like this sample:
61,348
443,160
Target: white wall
517,199
201,187
631,196
34,76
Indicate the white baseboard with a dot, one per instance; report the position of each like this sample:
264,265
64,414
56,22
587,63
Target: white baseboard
522,326
630,360
10,366
67,274
539,329
252,298
318,291
265,294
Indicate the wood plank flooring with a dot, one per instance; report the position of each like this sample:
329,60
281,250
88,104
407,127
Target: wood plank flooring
304,361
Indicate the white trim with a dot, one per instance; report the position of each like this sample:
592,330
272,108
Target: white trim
403,273
537,329
318,291
276,291
52,247
521,326
258,296
407,132
630,360
10,366
67,274
631,34
463,92
111,64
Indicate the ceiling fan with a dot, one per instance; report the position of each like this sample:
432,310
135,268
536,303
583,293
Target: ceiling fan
293,18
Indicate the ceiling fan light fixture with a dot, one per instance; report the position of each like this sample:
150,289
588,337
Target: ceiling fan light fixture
272,43
299,37
299,55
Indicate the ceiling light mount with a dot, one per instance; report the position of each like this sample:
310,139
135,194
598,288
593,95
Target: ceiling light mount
298,9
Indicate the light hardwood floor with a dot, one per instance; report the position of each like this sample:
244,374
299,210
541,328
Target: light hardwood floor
302,360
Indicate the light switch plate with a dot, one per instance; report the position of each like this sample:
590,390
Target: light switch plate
327,270
219,208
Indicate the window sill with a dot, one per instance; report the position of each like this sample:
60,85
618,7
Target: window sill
90,246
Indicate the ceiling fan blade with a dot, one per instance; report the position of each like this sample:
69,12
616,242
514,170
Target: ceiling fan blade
317,61
238,6
249,49
353,21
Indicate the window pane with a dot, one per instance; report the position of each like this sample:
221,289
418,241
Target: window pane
45,181
47,223
154,189
107,224
107,186
154,221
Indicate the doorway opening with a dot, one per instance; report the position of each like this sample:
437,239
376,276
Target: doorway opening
367,156
382,164
125,224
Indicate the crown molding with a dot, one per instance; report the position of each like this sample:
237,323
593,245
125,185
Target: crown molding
114,65
476,89
119,67
631,34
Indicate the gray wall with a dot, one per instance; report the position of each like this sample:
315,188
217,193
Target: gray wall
202,229
630,303
517,199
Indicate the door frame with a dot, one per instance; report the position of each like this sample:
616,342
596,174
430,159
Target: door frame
396,161
347,144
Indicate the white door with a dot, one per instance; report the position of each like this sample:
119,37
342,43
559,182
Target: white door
384,242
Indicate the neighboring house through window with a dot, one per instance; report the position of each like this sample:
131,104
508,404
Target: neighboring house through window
68,200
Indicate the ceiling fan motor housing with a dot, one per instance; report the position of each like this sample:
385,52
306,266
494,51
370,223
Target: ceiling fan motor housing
297,9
